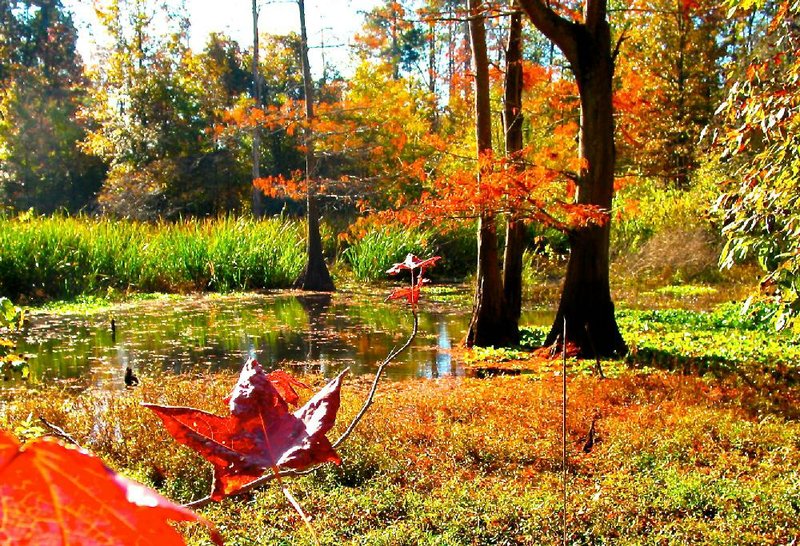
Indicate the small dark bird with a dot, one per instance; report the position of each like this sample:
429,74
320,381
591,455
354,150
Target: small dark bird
130,378
590,438
113,331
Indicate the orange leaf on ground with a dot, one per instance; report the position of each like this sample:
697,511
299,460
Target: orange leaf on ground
56,494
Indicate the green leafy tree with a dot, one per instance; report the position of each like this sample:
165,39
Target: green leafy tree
389,35
671,78
154,108
760,148
41,91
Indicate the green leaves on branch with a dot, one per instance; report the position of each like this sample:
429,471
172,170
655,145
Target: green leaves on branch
11,319
760,145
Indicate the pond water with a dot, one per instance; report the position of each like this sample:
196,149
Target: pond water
194,334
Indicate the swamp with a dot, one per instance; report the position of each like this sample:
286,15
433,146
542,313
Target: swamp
400,272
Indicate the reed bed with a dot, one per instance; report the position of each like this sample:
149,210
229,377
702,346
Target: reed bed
64,257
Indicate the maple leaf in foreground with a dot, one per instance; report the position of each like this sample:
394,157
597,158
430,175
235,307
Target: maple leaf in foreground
412,262
260,433
284,384
56,494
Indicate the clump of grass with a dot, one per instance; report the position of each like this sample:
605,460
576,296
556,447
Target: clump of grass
686,290
373,246
370,255
63,257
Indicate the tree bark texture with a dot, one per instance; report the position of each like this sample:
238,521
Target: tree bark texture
512,125
315,275
491,324
258,195
586,296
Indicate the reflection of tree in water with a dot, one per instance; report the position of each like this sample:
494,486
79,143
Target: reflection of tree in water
314,331
316,307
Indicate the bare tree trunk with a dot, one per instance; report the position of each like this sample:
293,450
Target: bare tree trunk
490,324
586,296
512,123
258,195
315,275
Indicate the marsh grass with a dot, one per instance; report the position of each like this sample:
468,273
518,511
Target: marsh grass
63,257
677,460
372,254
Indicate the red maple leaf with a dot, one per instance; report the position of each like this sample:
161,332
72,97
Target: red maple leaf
56,494
408,293
284,384
412,262
260,433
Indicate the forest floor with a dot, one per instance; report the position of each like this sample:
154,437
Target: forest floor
693,438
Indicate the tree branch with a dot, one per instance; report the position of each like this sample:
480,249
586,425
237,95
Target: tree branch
368,402
559,30
59,432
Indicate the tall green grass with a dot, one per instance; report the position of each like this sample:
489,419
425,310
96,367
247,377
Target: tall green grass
62,257
371,255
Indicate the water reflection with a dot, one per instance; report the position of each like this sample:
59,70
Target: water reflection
309,332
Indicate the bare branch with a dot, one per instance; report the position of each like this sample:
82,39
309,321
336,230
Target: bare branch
560,31
59,432
392,355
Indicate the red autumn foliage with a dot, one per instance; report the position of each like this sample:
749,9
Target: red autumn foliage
56,494
412,264
284,384
260,433
408,293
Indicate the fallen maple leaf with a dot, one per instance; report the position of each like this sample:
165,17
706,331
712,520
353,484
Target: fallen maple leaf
260,433
412,262
51,493
284,383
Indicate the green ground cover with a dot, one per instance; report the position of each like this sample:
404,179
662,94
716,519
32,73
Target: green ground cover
685,450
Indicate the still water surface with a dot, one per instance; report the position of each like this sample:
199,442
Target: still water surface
194,334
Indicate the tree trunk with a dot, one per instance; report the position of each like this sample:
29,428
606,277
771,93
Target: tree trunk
258,195
491,325
512,123
315,275
586,296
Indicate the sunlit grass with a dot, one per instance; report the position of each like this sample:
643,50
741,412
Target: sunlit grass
677,459
61,258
